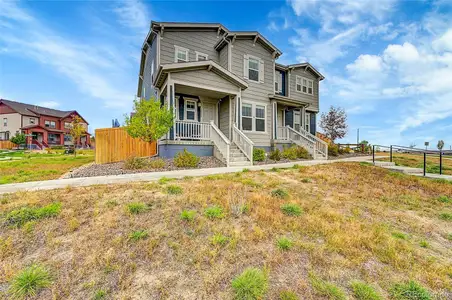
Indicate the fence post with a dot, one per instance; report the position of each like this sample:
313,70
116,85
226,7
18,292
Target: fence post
390,153
425,160
440,162
373,154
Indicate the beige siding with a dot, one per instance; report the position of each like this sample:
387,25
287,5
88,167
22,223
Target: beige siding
206,79
201,41
224,116
256,92
26,120
224,57
313,100
13,124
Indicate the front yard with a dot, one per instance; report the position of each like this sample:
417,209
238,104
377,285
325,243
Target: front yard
323,232
20,166
417,161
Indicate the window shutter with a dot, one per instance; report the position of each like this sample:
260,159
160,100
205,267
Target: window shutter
261,71
313,123
245,66
199,111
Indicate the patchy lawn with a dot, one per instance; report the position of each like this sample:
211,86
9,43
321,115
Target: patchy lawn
323,232
23,166
417,161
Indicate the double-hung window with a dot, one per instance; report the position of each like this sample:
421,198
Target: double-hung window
305,85
201,56
253,69
296,120
5,122
32,121
278,82
190,110
253,117
307,122
181,54
50,124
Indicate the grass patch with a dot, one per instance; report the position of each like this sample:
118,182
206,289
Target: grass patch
446,216
219,240
328,289
424,244
410,290
306,180
23,215
214,212
280,193
136,207
188,215
100,294
30,281
138,235
444,199
364,291
290,209
284,244
164,180
174,190
400,235
288,295
252,284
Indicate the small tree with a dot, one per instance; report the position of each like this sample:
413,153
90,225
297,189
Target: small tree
19,139
150,121
440,145
77,129
334,123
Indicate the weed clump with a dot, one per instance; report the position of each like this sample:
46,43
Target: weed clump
325,288
138,235
288,295
186,159
214,212
252,284
284,244
280,193
174,190
23,215
364,291
188,215
275,155
410,290
30,281
290,209
219,240
444,199
446,216
136,207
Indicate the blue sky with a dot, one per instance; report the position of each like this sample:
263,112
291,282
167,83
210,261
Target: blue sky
387,63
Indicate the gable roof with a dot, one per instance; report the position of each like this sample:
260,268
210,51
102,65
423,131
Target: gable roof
231,35
36,111
305,65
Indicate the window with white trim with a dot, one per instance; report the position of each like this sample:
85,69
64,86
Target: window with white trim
5,122
67,125
181,54
304,85
32,121
201,56
278,82
49,124
253,69
297,120
307,122
190,110
253,117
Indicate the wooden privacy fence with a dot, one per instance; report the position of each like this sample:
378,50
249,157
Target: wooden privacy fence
114,144
7,145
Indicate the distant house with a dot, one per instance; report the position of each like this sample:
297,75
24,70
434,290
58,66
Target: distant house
228,92
46,126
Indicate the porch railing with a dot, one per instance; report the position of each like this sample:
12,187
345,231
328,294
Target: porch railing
313,144
221,142
187,130
282,133
243,142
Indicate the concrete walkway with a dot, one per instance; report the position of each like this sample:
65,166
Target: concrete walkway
153,176
410,171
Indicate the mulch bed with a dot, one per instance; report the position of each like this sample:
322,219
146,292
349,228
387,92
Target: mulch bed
93,169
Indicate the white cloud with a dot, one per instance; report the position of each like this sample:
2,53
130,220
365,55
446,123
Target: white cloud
48,104
133,14
444,43
366,63
405,53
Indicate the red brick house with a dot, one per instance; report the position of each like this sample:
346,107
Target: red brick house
46,126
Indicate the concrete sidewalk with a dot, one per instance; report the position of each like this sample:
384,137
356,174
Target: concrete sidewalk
153,176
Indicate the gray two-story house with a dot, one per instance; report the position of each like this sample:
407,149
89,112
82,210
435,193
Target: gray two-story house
227,92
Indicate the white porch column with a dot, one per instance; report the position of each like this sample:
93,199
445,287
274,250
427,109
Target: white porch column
303,118
172,104
274,120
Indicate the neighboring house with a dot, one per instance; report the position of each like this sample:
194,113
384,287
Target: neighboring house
46,127
227,91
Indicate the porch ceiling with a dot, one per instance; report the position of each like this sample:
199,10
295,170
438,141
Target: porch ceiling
288,101
193,91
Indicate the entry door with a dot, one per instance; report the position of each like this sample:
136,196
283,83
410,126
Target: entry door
297,120
208,112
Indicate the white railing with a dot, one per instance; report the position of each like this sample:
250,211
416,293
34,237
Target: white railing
220,140
190,130
313,144
282,133
243,142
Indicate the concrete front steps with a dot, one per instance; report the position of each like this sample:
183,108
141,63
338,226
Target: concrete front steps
236,157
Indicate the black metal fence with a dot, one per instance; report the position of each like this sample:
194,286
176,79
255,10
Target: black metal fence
409,150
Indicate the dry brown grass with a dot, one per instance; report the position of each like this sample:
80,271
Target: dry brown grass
345,233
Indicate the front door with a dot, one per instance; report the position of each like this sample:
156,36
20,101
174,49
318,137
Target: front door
208,112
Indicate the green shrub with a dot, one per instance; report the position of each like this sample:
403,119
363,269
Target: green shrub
174,190
424,244
333,150
446,216
275,155
280,193
157,163
400,235
23,215
290,153
444,199
135,163
325,288
410,290
284,243
187,215
303,153
288,295
29,282
136,207
291,209
138,235
364,291
186,159
214,212
258,154
252,284
219,239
